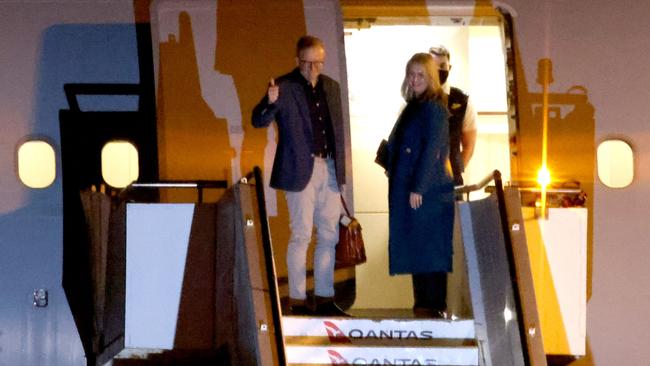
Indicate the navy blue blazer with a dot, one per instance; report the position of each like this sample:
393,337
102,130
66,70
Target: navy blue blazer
294,158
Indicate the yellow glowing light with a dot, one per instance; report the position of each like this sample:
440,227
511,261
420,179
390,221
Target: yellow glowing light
543,177
119,163
36,164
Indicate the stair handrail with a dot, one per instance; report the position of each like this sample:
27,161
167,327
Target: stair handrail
466,189
199,185
511,264
495,176
269,259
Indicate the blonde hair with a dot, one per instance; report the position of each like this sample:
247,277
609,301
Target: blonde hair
434,89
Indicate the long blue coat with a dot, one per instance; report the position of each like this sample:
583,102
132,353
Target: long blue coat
420,240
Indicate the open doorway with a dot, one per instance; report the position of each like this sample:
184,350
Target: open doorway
376,54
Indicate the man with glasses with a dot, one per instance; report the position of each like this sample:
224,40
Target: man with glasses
309,166
462,119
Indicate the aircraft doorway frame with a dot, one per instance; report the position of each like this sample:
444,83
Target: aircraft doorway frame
374,211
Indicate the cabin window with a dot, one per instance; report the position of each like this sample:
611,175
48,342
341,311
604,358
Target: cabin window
36,164
615,163
119,163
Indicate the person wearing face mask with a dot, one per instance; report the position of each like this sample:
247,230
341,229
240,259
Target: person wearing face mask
462,118
421,189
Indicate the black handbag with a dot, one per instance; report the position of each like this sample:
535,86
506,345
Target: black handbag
350,250
382,154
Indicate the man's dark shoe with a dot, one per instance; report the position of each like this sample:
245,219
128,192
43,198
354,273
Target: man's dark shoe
441,314
427,313
300,310
298,307
328,307
423,313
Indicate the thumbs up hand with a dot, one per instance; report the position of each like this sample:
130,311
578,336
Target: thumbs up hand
273,91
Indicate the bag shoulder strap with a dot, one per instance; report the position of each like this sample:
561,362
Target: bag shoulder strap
347,212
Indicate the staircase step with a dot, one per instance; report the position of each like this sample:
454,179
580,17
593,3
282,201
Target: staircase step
379,342
363,328
376,341
328,355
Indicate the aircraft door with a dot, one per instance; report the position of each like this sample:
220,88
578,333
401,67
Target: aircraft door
83,136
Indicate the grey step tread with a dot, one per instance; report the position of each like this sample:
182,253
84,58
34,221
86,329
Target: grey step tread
380,314
387,314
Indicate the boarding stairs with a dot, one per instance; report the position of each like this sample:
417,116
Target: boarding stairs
229,256
504,330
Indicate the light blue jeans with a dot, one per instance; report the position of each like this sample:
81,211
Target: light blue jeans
318,204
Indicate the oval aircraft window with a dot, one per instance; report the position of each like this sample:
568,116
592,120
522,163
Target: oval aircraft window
615,163
119,163
36,164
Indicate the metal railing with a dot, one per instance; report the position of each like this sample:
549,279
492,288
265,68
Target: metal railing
467,189
199,185
269,258
498,190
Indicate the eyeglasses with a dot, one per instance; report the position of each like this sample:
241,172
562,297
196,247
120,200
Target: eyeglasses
310,64
439,51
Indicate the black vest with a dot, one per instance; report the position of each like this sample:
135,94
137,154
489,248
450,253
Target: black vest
457,104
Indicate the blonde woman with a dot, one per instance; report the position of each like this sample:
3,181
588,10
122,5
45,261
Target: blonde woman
421,198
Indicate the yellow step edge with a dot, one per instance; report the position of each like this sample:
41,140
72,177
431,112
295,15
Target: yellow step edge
379,342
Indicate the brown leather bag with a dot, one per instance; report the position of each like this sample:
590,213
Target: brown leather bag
350,250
